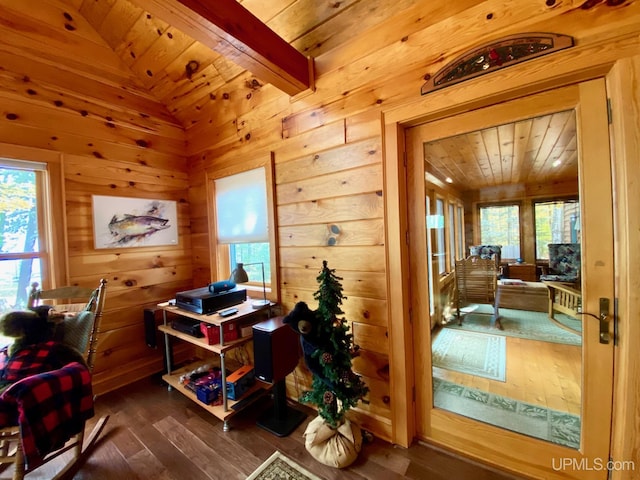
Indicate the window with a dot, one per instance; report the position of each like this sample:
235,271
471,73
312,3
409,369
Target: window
440,250
429,220
246,253
23,258
460,232
243,228
500,225
556,222
451,231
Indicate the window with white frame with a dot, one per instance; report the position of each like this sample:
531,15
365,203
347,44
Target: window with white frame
23,256
243,225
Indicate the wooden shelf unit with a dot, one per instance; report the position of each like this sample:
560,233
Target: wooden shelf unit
247,315
218,411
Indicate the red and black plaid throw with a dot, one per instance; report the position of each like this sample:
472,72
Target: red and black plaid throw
49,407
29,360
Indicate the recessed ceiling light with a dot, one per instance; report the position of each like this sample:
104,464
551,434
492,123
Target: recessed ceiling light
556,163
449,180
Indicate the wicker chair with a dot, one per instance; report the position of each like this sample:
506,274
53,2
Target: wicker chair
79,331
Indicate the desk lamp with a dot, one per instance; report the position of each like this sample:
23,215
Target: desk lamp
239,275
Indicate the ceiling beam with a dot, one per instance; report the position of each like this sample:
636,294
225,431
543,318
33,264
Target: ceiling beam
233,31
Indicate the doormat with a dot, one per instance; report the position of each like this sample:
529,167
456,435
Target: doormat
533,420
473,353
280,467
517,323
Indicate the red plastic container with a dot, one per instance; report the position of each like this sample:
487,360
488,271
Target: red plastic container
212,332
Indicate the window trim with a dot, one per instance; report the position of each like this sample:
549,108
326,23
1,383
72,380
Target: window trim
54,244
218,265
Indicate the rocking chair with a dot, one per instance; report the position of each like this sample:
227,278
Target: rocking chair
477,282
79,331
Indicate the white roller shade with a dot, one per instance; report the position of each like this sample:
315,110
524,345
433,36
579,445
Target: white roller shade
22,164
241,207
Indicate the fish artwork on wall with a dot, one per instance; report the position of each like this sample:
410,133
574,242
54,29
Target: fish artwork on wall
133,222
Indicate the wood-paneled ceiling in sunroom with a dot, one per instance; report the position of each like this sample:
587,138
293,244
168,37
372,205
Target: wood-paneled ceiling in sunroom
188,76
532,151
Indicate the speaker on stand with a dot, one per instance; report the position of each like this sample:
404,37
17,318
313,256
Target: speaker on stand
276,351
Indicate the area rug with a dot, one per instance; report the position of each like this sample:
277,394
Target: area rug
480,354
515,323
280,467
533,420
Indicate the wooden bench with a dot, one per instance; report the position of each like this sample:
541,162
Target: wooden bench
563,298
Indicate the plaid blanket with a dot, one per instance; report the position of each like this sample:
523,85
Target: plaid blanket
29,360
49,408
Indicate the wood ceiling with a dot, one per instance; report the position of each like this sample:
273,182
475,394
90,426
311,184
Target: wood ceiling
533,151
188,76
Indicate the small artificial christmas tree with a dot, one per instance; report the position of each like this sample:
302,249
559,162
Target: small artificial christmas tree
337,388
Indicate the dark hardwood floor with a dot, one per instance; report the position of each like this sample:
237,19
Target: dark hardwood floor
156,434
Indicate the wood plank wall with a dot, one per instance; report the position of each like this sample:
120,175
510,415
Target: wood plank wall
114,138
64,91
328,166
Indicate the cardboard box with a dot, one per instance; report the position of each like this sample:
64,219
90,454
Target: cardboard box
212,332
240,381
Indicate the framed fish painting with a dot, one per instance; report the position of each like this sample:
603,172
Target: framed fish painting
121,222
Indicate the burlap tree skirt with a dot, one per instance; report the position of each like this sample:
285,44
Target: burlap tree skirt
335,447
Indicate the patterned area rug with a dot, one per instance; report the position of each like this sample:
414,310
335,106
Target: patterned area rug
280,467
480,354
516,323
532,420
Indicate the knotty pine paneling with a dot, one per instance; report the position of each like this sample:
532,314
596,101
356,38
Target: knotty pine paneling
64,90
360,258
349,156
363,232
372,365
371,311
339,184
372,415
329,207
361,284
337,209
316,137
245,97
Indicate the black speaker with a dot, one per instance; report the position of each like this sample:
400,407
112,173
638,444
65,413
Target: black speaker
152,318
222,286
276,350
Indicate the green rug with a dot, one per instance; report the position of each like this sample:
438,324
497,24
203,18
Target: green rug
480,354
515,323
533,420
280,467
